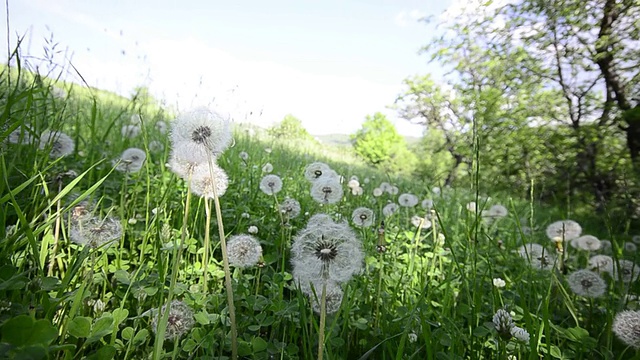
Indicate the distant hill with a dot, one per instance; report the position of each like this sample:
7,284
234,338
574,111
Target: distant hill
344,140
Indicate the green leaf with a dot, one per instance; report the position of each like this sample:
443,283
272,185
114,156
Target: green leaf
24,331
105,353
101,328
141,337
258,344
202,318
80,327
119,315
555,352
480,331
128,333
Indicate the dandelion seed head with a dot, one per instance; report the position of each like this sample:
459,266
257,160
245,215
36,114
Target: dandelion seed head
420,221
130,131
601,263
95,232
626,325
427,204
586,283
565,229
60,143
499,283
587,243
326,190
627,270
390,209
362,217
252,230
357,191
204,178
408,200
244,251
180,320
290,207
243,156
630,247
267,168
21,135
377,192
353,183
271,184
497,211
156,146
131,160
201,133
316,170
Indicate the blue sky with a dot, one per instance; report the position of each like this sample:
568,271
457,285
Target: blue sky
330,63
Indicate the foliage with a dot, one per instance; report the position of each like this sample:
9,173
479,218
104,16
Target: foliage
289,128
380,145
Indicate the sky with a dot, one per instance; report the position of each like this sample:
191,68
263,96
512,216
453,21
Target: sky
329,63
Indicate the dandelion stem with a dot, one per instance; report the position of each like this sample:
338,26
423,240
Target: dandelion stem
205,260
56,233
323,315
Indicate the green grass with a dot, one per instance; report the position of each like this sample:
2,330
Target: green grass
422,298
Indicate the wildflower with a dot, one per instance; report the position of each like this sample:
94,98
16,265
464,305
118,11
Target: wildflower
565,229
244,156
130,131
503,323
538,256
243,251
95,232
180,319
586,283
499,283
203,180
353,183
377,192
408,200
326,190
627,270
198,134
390,209
98,306
290,207
267,168
131,160
412,337
328,251
427,204
357,191
245,215
626,325
252,230
316,170
362,217
60,143
601,263
520,334
586,242
271,184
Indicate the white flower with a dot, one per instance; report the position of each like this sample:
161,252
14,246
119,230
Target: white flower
412,337
520,334
499,283
472,206
357,191
353,183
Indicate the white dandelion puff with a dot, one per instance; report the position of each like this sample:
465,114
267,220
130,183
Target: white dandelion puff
390,209
326,190
203,180
201,133
362,217
564,229
244,251
290,208
586,283
316,170
271,184
179,322
408,200
131,160
60,143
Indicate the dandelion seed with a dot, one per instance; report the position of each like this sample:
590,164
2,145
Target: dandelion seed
377,192
95,232
362,217
326,190
586,283
244,251
267,168
316,170
408,200
565,229
499,283
601,263
290,208
626,326
427,204
199,134
271,184
60,143
180,320
328,251
130,131
390,209
203,180
131,160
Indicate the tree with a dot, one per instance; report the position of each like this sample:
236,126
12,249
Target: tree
289,128
380,145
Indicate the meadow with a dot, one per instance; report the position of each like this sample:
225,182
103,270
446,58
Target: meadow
96,239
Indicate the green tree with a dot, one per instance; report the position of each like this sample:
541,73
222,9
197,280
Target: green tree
289,128
380,145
